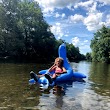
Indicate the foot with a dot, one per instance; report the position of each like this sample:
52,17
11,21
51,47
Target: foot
49,78
34,76
31,72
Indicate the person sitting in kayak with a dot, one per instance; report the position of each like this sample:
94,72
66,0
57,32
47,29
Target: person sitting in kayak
58,68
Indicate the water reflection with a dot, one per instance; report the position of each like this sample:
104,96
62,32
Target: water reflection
63,96
59,92
100,76
17,94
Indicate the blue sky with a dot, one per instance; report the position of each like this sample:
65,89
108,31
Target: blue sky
76,21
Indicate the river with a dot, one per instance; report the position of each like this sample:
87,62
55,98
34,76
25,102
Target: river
91,94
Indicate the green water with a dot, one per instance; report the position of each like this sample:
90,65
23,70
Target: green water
17,94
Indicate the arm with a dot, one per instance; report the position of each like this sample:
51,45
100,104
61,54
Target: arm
52,68
64,70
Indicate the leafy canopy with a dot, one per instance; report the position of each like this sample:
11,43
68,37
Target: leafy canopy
100,45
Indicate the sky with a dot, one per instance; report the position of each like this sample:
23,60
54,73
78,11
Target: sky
76,21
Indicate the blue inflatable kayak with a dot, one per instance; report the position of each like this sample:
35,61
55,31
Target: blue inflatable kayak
63,77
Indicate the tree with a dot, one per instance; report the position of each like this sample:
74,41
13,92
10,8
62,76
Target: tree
73,53
23,30
24,33
100,45
88,56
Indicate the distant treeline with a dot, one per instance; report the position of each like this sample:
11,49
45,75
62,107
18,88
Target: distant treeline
26,36
100,46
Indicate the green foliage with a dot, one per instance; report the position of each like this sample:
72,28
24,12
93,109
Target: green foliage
100,45
73,53
24,34
88,57
23,30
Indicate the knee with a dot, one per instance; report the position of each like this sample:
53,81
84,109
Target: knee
32,74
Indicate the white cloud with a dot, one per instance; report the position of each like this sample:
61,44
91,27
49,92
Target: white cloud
84,4
93,8
57,15
93,18
57,30
50,5
104,1
86,41
93,21
84,46
84,49
108,20
66,35
75,41
89,14
63,15
47,10
76,18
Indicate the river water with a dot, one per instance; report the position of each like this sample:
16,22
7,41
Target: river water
91,94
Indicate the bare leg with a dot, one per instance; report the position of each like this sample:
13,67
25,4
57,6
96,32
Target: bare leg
49,78
34,76
54,75
41,75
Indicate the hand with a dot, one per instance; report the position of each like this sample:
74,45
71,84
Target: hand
54,64
58,72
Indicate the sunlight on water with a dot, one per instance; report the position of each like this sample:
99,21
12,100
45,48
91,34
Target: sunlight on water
91,94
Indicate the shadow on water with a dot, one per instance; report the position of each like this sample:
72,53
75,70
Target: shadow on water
59,98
